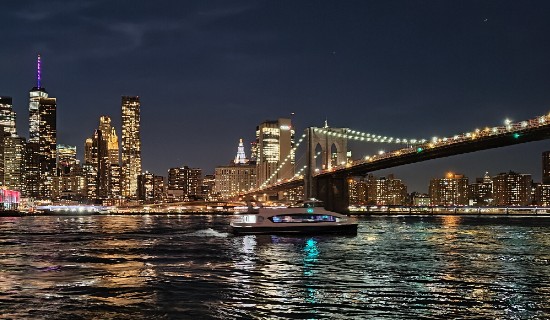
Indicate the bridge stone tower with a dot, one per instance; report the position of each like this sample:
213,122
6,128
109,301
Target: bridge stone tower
333,145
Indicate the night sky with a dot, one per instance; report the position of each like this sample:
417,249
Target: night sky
208,72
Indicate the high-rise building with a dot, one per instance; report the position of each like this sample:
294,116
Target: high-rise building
112,147
12,149
542,195
237,177
131,146
70,183
357,191
101,152
449,191
41,167
481,192
184,183
14,163
7,116
386,191
208,187
274,144
512,189
146,187
66,158
158,189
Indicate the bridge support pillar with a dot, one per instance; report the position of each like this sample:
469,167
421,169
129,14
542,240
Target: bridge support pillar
333,191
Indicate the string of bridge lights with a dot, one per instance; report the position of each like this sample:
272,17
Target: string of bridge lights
369,137
288,157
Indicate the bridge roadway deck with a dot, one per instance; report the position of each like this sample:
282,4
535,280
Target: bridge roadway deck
442,150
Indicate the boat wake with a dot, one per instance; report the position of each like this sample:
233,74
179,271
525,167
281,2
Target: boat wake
209,233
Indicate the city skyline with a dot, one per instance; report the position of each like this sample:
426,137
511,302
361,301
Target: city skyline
389,68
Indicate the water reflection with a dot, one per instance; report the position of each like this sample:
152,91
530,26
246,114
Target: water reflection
188,266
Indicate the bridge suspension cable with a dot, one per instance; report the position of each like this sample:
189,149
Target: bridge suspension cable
369,137
288,158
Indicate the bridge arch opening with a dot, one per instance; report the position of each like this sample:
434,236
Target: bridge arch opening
319,157
333,155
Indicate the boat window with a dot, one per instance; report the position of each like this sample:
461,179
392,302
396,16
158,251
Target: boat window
303,218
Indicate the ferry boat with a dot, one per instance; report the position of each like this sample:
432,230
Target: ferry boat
308,217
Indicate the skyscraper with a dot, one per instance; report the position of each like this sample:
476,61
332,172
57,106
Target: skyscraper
12,149
41,149
274,141
512,189
7,116
449,191
184,183
131,146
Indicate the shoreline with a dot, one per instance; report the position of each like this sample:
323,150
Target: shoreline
488,213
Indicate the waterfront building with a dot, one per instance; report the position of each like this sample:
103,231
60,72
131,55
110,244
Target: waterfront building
481,192
159,192
184,183
237,177
32,170
357,191
209,188
146,187
41,167
542,195
274,144
12,149
386,191
512,189
14,163
449,191
131,146
421,200
233,179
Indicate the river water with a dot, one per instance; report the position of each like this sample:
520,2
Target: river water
190,267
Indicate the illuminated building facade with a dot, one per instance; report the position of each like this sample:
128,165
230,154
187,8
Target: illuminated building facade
14,163
386,191
184,183
233,179
209,187
357,191
131,146
512,189
481,192
41,155
274,143
70,182
237,177
542,195
7,116
66,158
146,189
12,149
449,191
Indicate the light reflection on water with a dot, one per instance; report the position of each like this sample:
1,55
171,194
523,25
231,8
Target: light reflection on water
160,267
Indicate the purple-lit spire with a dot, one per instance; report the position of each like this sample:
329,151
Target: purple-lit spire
38,72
